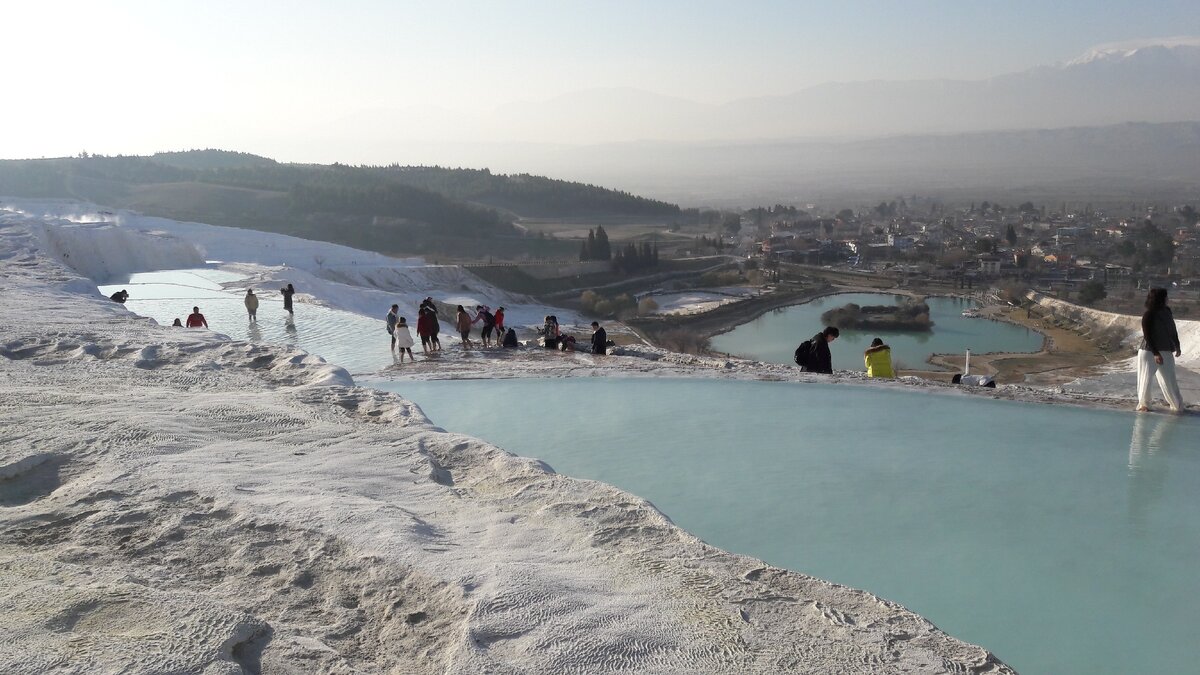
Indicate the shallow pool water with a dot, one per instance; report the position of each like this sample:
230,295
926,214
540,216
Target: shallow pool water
358,343
1063,539
773,337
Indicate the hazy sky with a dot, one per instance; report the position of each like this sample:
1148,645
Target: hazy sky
139,76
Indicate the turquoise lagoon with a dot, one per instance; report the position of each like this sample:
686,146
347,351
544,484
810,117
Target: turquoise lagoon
773,337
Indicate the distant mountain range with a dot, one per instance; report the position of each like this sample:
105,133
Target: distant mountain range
1148,82
1118,163
1120,121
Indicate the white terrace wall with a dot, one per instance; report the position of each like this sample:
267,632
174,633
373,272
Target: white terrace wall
1189,331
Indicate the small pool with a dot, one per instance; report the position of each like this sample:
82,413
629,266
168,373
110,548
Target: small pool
773,337
1065,540
358,343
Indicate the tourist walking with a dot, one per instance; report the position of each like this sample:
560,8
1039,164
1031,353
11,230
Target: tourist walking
463,324
404,340
599,339
252,304
1156,356
196,319
878,359
288,292
393,318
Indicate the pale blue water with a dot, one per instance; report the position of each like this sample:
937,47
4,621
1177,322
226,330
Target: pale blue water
1065,540
358,343
773,337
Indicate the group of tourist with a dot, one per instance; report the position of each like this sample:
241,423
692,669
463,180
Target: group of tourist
554,338
427,329
197,320
492,332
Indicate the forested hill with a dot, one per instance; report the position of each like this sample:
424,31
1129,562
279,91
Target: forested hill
529,195
210,159
391,209
520,194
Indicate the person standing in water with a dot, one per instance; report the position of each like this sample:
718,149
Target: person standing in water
434,327
485,315
404,340
252,304
196,319
1156,357
423,328
463,324
393,317
878,359
288,292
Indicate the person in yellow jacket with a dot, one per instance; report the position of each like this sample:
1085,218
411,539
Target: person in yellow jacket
878,358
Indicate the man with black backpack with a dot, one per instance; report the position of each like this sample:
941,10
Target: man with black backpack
813,355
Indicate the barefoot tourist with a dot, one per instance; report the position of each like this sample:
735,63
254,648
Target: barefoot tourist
251,304
1156,357
393,317
288,292
404,340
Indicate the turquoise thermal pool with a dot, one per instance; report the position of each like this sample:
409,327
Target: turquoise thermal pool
1063,539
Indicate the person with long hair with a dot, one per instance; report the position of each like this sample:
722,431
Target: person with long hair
1156,357
463,324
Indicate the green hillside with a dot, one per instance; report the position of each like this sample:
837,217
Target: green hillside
459,213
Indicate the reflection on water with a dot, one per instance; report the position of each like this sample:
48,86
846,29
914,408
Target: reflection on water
1152,436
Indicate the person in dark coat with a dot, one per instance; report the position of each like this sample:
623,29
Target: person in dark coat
820,360
1156,355
120,296
599,339
288,292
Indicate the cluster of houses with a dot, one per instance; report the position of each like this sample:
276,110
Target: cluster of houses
1064,248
